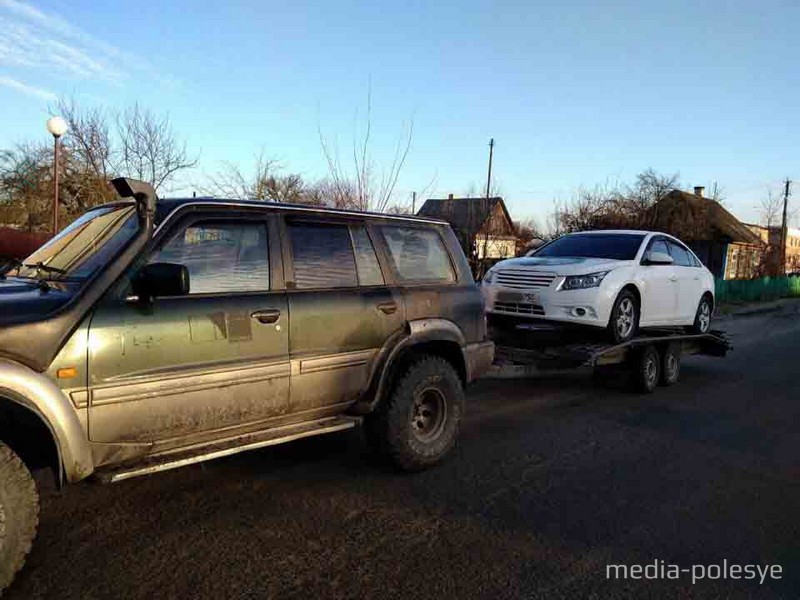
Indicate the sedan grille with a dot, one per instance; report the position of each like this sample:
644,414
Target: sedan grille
512,278
519,308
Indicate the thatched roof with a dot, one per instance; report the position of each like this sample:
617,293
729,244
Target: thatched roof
691,217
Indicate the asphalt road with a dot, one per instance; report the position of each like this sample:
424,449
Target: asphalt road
552,481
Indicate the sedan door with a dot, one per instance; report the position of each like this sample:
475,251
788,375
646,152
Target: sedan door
660,297
185,365
690,282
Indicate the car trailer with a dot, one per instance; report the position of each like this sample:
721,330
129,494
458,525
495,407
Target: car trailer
649,359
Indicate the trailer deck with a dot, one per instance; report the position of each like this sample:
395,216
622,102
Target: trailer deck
652,357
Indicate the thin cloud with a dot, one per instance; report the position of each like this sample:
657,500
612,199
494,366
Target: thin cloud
41,41
26,89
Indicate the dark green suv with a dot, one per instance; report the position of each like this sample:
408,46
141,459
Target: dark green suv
151,334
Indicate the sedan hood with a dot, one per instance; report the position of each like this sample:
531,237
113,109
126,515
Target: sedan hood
25,300
563,265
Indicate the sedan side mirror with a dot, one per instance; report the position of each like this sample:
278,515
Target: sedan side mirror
658,258
161,279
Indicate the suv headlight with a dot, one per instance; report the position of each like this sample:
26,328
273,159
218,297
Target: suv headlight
581,282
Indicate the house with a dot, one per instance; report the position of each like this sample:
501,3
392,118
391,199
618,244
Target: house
482,225
728,247
771,238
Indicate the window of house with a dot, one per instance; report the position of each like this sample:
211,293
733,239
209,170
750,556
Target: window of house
369,271
418,254
221,257
322,256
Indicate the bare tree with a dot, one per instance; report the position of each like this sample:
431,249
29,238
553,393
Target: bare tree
610,206
89,141
233,182
770,210
362,185
638,202
527,232
26,187
717,193
149,149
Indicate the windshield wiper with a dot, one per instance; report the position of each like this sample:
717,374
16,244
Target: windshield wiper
40,266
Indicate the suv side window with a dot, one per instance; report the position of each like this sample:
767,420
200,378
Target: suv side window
221,256
680,254
369,271
322,256
418,254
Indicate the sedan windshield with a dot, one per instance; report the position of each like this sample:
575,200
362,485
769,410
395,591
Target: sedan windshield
86,245
614,246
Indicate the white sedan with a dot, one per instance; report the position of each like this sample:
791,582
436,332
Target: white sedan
619,280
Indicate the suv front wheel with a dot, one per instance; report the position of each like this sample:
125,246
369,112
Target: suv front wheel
19,514
417,424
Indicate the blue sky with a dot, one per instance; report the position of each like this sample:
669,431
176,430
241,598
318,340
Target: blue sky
574,93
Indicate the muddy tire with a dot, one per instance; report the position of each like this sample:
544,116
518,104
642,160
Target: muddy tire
417,424
19,514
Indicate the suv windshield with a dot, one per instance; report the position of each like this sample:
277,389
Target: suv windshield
86,245
615,246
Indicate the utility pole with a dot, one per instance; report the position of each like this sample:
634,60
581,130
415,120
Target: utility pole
784,231
489,178
488,213
413,203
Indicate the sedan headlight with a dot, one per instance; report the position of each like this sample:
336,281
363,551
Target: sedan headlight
581,282
488,277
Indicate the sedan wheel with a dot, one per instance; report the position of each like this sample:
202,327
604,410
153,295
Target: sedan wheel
624,319
702,320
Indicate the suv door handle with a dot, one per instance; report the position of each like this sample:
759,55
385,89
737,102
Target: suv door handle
388,308
266,316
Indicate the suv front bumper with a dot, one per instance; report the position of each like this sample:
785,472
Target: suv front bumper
478,358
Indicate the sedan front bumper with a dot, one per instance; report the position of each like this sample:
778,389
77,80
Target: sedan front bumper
590,306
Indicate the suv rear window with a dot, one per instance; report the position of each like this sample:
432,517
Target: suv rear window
322,256
418,254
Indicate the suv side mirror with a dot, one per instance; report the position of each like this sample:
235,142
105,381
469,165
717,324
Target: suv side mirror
161,279
658,258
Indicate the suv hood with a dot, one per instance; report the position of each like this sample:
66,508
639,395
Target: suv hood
26,300
563,265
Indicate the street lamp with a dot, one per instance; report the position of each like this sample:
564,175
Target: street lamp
57,127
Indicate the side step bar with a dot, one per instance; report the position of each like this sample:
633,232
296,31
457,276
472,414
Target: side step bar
259,439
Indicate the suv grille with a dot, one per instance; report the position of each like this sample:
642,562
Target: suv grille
512,278
519,308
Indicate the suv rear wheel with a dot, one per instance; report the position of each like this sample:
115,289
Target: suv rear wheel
19,514
418,423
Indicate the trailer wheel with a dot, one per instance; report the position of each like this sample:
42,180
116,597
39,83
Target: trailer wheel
670,364
646,369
